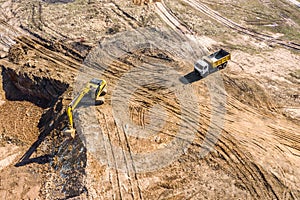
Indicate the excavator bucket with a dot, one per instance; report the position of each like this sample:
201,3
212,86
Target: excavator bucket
69,131
99,101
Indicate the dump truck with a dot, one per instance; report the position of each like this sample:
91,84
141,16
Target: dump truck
97,89
212,63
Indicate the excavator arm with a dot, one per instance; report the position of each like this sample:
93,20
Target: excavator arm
74,104
99,85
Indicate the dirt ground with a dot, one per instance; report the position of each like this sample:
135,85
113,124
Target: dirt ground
162,133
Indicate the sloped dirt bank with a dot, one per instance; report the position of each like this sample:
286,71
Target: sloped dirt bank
33,105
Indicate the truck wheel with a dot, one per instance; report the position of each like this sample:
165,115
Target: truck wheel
204,75
224,65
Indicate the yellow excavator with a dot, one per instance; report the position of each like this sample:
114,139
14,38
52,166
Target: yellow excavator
97,89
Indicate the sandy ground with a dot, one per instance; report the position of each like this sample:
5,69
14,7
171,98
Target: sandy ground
256,145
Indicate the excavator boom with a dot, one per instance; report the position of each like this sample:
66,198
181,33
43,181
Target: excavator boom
100,89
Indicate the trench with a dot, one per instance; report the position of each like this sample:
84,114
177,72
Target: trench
66,156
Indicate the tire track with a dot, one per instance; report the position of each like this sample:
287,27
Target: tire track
170,19
127,185
295,2
286,138
38,22
137,114
125,178
262,182
44,50
89,132
43,47
130,167
115,175
229,23
127,18
258,182
8,34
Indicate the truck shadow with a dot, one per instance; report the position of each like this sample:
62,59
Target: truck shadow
190,78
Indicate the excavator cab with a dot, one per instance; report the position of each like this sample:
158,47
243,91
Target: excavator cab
100,86
97,89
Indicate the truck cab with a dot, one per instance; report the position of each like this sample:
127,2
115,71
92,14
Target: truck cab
201,68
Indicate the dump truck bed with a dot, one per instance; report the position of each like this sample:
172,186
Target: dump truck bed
219,57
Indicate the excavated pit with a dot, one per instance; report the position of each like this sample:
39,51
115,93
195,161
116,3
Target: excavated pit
42,92
44,98
26,101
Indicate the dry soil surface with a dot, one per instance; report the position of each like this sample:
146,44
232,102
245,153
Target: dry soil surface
162,133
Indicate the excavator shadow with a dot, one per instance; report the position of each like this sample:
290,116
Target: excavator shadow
56,115
46,125
40,160
190,78
25,159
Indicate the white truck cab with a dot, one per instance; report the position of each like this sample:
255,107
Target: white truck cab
201,68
